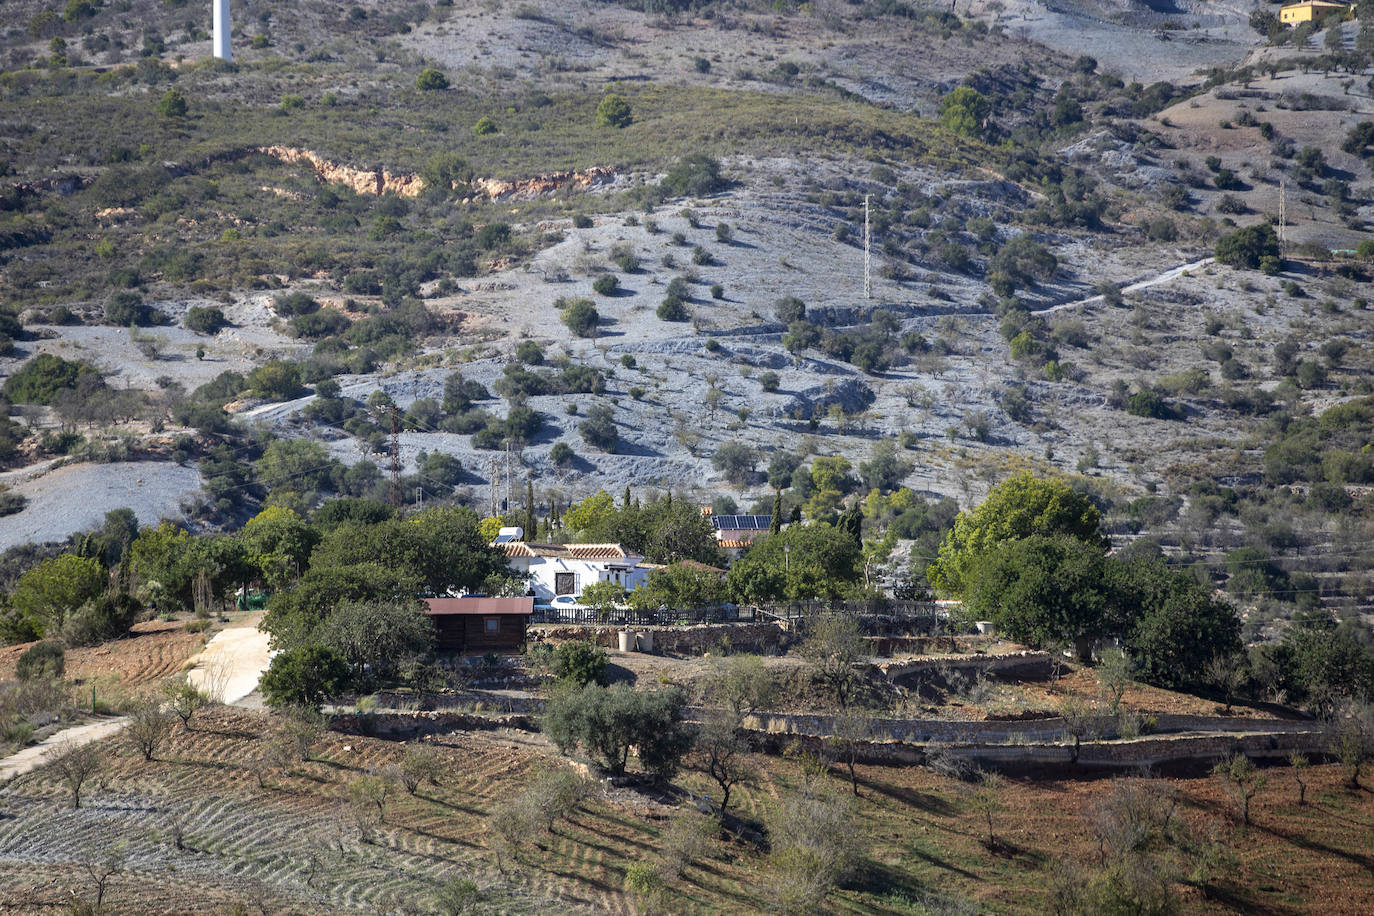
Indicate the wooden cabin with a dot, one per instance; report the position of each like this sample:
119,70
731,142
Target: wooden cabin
476,626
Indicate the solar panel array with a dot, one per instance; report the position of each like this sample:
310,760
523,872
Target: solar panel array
742,522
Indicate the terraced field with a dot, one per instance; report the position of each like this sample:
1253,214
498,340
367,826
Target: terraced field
293,845
153,651
294,840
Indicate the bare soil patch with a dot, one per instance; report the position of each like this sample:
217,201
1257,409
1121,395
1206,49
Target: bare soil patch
153,651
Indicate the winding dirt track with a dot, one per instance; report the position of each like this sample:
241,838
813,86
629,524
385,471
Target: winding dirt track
228,668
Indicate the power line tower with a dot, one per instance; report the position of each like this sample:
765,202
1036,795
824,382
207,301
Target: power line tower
868,253
395,456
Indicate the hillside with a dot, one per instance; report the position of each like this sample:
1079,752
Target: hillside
975,353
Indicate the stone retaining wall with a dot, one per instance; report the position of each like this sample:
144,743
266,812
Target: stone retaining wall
395,725
695,639
1007,746
1028,665
1021,731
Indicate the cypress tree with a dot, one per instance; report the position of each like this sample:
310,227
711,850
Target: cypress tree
775,525
530,521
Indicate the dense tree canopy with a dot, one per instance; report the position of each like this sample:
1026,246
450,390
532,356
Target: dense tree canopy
47,593
680,585
799,563
1019,507
1040,589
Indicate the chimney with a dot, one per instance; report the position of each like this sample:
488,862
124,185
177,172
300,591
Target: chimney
222,29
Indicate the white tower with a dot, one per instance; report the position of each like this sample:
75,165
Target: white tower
222,29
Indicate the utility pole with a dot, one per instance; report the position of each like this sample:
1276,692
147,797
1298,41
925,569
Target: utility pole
868,253
395,456
510,498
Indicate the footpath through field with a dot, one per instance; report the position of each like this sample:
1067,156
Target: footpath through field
228,669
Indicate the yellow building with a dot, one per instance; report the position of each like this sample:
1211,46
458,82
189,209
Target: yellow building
1309,11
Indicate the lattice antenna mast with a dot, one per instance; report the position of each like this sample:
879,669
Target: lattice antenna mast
395,456
494,480
1283,212
868,253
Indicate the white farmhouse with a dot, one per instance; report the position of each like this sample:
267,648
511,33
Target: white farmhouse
566,569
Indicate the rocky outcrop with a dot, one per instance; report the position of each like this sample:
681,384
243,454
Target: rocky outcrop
377,181
531,188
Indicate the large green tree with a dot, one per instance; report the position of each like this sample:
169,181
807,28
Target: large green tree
680,585
46,594
1021,506
799,563
442,549
304,677
382,637
294,617
1041,589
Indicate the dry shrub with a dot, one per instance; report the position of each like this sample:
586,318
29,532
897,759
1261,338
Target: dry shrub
689,838
813,850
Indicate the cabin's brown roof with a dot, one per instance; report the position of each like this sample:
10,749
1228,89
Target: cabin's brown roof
489,607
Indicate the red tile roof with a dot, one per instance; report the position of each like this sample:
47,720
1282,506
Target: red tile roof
480,606
565,551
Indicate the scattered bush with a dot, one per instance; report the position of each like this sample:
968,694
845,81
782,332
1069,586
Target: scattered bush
41,661
581,318
205,320
431,79
579,663
694,176
613,112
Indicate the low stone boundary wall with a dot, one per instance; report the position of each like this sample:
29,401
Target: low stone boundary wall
388,701
1005,746
1131,754
1017,732
1030,665
693,639
395,725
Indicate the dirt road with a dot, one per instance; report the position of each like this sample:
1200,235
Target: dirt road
1172,273
229,666
31,758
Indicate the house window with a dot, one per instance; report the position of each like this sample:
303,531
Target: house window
564,583
492,624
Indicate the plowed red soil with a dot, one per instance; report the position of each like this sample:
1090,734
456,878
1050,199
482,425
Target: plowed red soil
153,650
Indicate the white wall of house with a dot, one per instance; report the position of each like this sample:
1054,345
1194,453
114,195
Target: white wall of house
550,576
